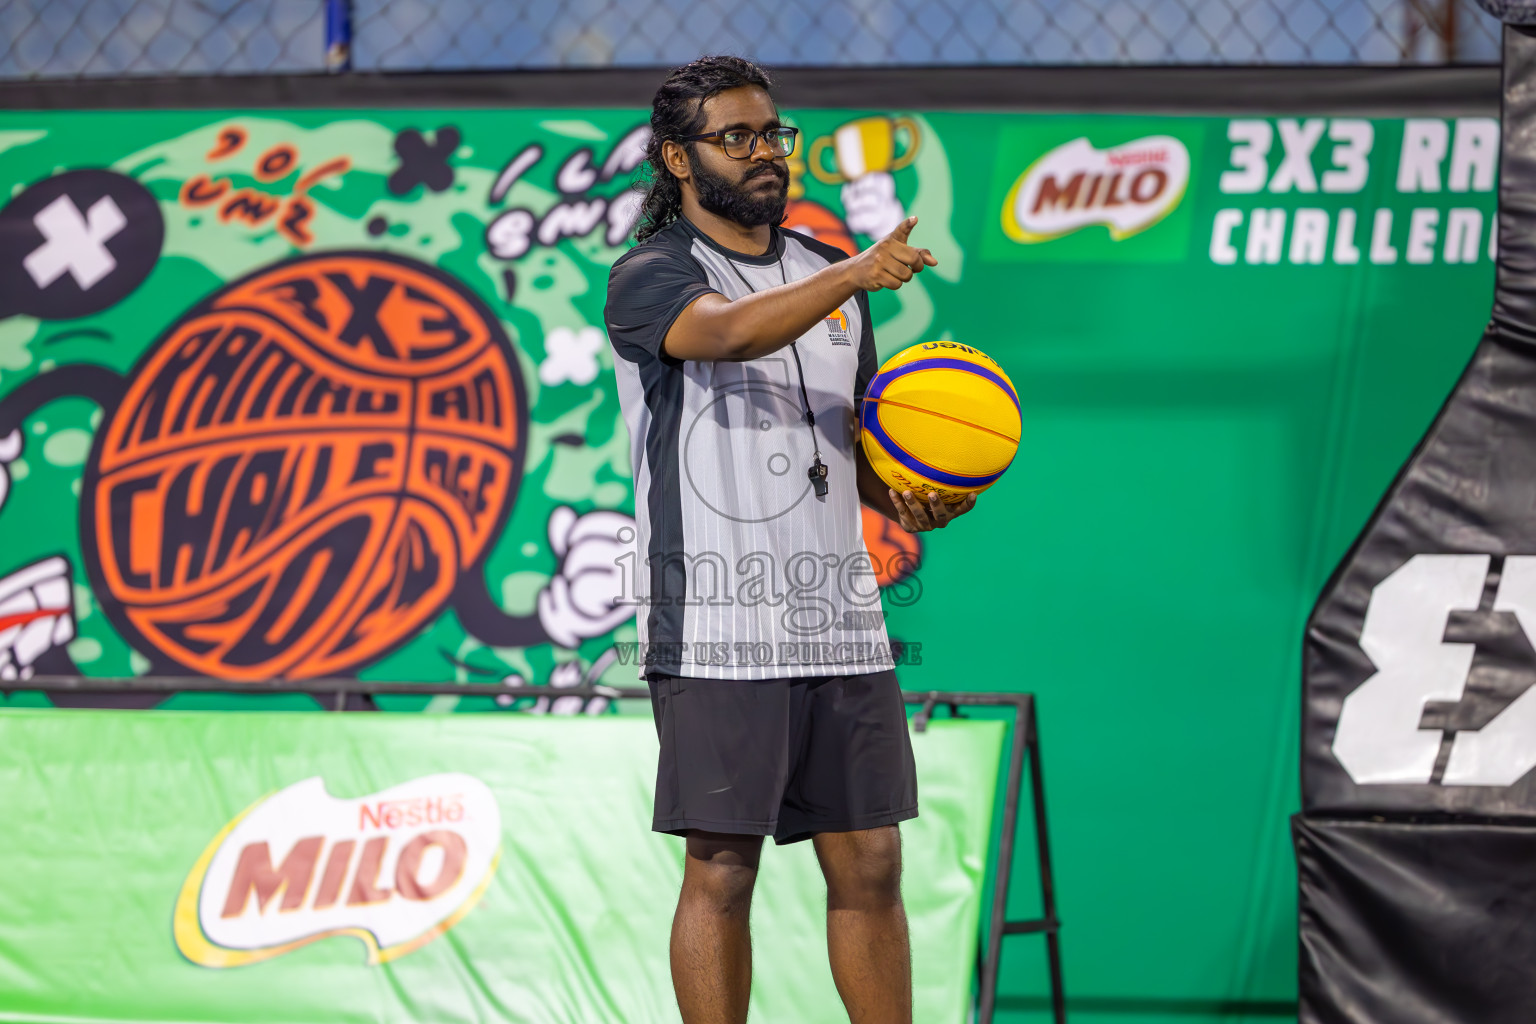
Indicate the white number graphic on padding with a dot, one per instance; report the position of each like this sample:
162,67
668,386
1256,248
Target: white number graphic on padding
1378,738
1502,751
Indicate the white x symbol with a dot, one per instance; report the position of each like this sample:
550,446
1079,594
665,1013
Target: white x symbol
73,242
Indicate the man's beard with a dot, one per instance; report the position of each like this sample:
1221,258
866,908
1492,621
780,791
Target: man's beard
742,201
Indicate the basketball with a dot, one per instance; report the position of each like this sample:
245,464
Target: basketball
302,466
940,417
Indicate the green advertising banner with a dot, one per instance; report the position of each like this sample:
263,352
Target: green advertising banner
197,866
300,393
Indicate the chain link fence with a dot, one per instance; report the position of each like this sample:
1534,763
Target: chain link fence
69,38
66,38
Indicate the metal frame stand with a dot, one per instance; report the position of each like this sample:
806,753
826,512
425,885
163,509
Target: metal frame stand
1024,746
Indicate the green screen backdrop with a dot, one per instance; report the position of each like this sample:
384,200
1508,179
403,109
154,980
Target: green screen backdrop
1226,334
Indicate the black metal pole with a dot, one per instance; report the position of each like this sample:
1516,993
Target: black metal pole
312,687
989,975
1047,881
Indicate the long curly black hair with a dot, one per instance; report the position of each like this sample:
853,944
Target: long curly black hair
678,110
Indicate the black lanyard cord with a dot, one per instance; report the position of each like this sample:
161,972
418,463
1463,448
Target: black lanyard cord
810,417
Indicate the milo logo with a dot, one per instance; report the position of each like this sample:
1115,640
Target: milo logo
394,869
1126,188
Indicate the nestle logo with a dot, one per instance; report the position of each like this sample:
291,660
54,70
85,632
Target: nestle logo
1145,156
428,810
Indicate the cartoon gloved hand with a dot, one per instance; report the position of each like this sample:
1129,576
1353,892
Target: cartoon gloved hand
36,614
561,677
581,600
10,451
871,206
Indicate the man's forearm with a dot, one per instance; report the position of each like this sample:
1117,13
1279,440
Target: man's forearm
762,322
715,327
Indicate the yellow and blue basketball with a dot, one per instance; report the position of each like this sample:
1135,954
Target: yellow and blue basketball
941,417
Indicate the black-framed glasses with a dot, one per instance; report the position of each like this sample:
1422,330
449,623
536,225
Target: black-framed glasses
741,143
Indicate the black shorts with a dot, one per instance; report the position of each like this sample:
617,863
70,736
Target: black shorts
782,757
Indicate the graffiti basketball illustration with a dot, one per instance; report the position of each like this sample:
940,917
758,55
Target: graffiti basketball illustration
303,471
289,399
302,466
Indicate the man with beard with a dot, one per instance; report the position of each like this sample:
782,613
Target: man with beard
741,352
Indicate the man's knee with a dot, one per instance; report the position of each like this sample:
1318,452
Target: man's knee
720,871
863,869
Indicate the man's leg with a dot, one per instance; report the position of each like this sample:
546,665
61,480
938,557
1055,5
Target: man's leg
866,924
711,944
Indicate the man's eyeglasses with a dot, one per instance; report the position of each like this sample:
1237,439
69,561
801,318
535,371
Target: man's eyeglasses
741,143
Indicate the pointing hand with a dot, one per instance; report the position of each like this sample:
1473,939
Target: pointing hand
890,262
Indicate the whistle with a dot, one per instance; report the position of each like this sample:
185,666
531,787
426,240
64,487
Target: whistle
818,475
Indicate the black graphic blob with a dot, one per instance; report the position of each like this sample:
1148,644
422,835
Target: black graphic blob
423,162
77,243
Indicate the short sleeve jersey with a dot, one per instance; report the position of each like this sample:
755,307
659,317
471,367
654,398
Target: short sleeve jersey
742,571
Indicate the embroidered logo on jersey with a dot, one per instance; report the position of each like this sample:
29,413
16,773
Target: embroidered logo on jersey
837,328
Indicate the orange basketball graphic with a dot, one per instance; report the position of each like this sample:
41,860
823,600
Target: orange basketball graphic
896,552
303,466
810,217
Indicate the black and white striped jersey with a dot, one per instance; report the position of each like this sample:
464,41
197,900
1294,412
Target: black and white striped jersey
741,570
